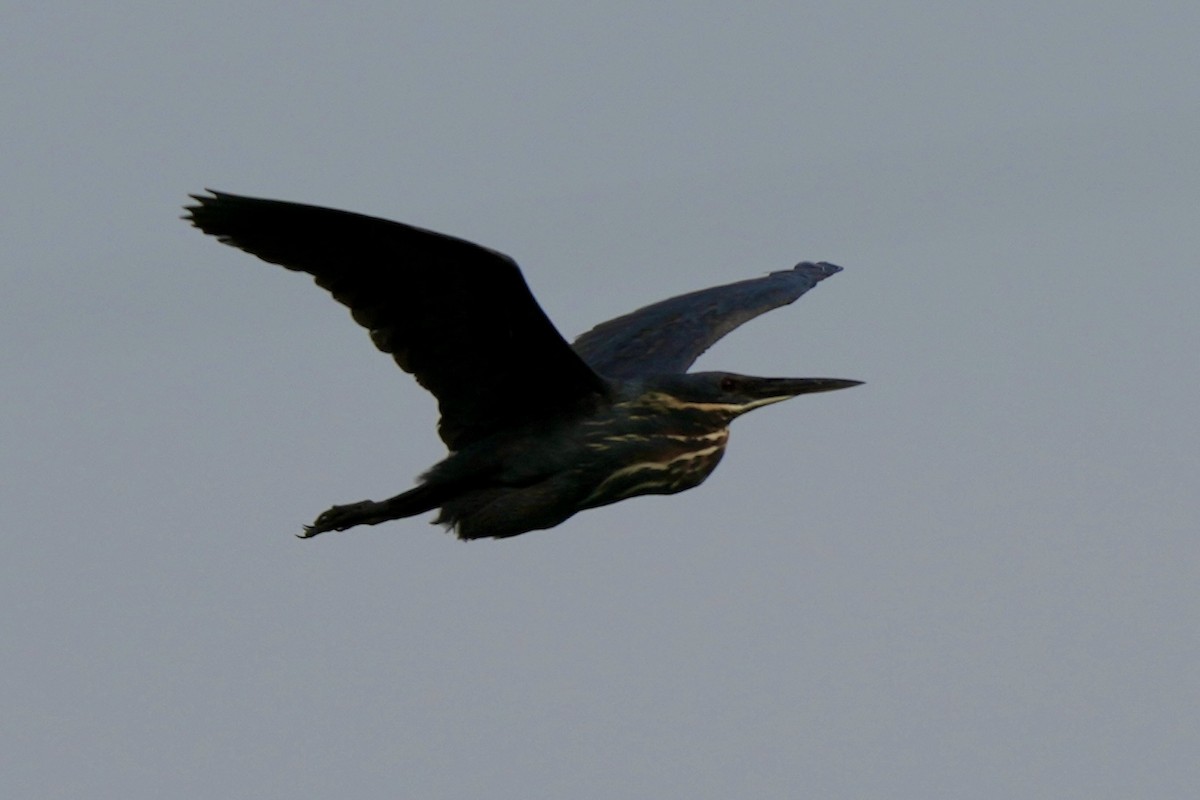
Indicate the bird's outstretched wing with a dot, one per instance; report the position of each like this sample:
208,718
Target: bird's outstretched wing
667,337
456,315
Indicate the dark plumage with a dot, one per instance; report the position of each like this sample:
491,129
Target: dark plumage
537,429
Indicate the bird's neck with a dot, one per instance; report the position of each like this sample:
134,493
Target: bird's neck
657,410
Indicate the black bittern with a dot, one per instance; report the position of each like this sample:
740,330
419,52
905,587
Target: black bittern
537,429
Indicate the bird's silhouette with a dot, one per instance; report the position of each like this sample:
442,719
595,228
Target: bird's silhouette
537,429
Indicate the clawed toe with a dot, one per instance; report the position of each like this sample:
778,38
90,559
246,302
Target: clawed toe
338,518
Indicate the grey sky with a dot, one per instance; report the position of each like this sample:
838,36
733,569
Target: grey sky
976,576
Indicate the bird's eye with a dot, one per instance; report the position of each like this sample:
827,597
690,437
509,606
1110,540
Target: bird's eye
729,384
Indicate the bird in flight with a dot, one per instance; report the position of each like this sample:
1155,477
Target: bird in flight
537,429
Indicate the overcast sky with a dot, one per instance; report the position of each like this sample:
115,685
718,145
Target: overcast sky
974,577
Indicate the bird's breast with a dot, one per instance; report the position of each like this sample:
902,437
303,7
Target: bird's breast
660,463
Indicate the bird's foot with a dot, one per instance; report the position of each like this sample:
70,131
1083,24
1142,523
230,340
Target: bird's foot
339,518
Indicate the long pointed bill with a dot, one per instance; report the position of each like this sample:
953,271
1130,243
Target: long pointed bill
783,388
757,392
775,390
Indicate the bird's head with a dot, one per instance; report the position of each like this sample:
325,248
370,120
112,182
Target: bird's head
729,395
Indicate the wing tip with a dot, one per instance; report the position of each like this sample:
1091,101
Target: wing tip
818,270
203,202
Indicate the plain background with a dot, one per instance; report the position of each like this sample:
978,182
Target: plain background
975,576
